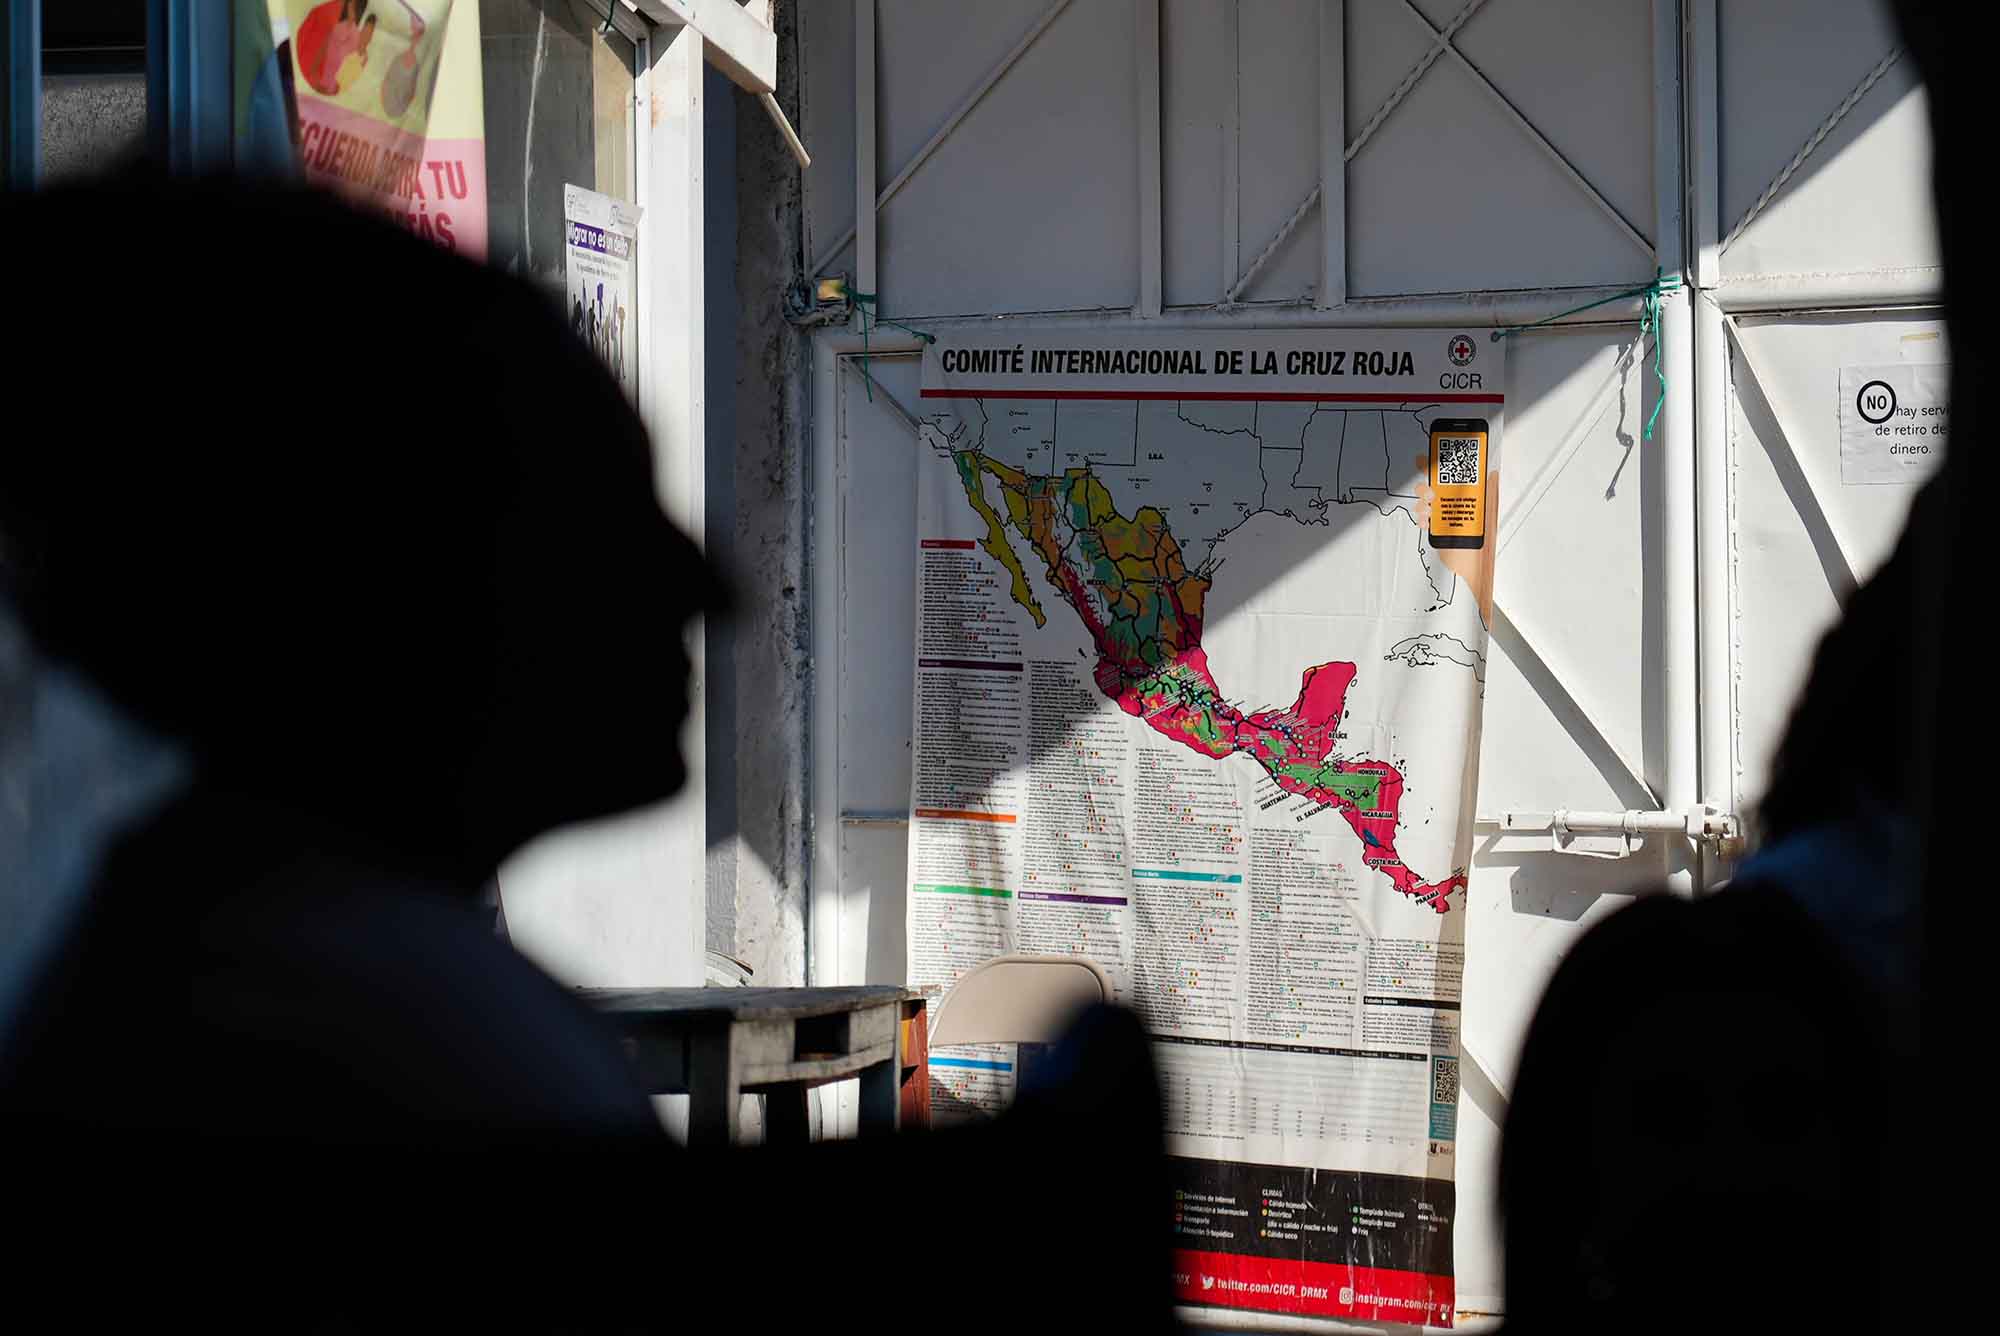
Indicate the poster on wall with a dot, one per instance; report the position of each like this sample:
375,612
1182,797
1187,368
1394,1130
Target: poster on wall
1895,418
386,105
600,250
1201,642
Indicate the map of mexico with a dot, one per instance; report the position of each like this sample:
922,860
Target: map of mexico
1125,578
1139,589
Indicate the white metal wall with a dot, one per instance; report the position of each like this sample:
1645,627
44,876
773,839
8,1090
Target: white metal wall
1838,266
1548,152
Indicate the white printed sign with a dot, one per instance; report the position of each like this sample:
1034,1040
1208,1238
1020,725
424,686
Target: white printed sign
1893,421
602,238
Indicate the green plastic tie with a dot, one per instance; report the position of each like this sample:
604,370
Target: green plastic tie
871,316
1651,321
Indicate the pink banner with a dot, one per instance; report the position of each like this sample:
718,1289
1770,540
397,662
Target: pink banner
389,109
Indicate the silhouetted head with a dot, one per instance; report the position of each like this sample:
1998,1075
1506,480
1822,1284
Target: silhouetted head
1692,1139
435,601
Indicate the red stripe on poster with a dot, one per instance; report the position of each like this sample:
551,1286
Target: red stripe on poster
1315,1289
1223,396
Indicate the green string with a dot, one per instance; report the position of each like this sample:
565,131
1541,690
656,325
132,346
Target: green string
869,306
1651,321
869,299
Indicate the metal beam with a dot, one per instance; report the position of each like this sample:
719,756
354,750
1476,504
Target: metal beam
791,137
188,74
622,18
732,38
1874,289
1715,593
1231,59
1836,557
21,93
1285,229
1581,724
1702,65
1838,114
1679,596
1374,122
882,395
1439,39
1148,56
1332,153
951,123
1555,155
1470,308
865,203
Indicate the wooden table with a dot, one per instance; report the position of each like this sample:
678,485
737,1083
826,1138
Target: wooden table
716,1045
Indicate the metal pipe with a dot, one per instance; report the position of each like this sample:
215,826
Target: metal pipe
1713,456
1676,440
1231,94
189,117
864,153
1148,56
1596,823
1914,285
1700,824
1332,153
1471,308
1713,465
778,118
1714,562
824,512
1799,293
21,88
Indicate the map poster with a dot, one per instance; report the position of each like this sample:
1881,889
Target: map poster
387,107
600,254
1197,697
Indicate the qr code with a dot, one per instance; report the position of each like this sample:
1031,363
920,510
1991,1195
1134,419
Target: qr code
1458,461
1444,1080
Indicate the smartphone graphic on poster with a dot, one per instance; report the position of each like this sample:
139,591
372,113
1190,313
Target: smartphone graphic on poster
1458,482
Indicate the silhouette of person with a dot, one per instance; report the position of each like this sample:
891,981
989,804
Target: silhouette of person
281,1073
1692,1141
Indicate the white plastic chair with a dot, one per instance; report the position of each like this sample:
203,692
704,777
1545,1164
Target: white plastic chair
1018,1000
